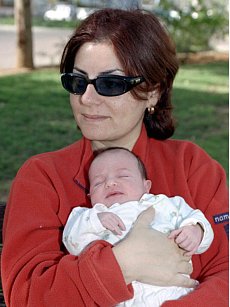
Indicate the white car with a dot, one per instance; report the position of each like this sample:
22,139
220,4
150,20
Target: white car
65,12
83,12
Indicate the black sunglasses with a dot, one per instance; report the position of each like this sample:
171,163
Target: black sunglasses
105,85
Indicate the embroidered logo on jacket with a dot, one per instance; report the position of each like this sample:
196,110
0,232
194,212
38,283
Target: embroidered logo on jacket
221,218
226,228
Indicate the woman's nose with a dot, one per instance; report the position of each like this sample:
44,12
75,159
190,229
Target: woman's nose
90,96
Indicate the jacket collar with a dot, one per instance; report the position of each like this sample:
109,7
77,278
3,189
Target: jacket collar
86,156
141,147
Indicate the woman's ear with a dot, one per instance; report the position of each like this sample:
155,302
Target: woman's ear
147,185
153,97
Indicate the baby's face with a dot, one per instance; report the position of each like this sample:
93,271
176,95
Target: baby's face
115,177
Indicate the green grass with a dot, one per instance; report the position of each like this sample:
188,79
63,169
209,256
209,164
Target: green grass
40,22
6,20
35,115
201,107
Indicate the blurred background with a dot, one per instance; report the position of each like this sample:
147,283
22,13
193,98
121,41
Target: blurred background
35,115
195,25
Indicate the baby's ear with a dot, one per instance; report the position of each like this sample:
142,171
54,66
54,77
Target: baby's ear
88,195
147,185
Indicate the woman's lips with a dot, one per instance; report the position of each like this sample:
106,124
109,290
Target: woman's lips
94,117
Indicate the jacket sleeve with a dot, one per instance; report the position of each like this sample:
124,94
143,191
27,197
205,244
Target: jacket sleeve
36,271
207,184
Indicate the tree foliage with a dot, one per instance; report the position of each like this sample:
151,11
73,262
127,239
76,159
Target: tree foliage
193,23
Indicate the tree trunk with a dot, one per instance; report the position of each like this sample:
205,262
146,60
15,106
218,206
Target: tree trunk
24,52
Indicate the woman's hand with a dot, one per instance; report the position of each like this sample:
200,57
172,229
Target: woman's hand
148,256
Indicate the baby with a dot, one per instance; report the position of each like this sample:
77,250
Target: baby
119,192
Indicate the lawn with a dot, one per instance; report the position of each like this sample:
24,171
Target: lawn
36,116
202,108
40,22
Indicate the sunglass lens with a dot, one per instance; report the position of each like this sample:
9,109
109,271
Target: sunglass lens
110,86
74,84
79,85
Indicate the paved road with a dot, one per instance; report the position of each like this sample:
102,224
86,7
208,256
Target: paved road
48,45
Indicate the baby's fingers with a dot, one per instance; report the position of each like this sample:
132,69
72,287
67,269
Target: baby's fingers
118,225
174,233
117,231
121,225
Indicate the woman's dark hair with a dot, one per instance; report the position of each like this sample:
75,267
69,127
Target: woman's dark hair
143,48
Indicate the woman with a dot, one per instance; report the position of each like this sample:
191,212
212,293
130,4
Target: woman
119,68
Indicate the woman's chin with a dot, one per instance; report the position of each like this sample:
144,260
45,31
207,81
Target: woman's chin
94,134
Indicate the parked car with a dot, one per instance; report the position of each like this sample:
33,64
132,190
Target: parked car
83,12
61,11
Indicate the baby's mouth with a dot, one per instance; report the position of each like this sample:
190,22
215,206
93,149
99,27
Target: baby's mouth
114,193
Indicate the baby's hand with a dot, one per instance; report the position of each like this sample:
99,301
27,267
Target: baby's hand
111,222
188,238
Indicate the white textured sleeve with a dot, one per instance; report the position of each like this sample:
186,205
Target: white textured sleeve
83,226
189,216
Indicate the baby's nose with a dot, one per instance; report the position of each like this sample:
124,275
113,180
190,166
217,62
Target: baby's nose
111,182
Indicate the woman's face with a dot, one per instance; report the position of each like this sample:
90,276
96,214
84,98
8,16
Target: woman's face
106,121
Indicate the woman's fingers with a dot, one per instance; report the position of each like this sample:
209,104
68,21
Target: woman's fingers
145,218
185,282
148,256
185,267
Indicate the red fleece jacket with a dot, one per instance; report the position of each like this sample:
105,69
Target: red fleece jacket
36,270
